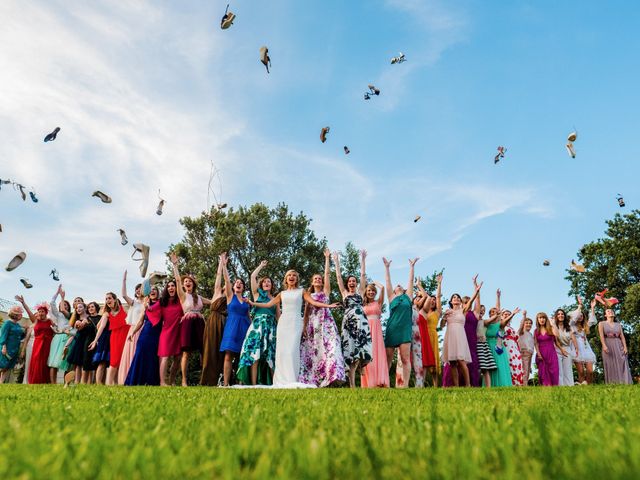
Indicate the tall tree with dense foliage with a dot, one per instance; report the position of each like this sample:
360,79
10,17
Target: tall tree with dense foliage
613,262
249,235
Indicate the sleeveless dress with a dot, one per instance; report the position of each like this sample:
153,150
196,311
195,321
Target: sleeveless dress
321,357
510,343
501,376
236,327
38,368
103,347
169,344
119,331
376,372
11,335
615,363
59,340
356,335
27,358
485,358
527,349
145,366
565,364
191,325
547,361
399,324
428,357
213,358
133,315
432,324
288,336
259,344
456,347
90,331
75,356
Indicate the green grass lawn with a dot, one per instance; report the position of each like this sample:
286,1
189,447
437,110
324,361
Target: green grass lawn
152,433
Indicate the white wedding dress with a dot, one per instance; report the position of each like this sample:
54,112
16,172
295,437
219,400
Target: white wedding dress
288,337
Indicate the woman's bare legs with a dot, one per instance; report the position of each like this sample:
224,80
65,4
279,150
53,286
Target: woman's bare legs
405,357
487,378
462,365
100,373
184,367
254,373
53,375
580,369
589,375
228,367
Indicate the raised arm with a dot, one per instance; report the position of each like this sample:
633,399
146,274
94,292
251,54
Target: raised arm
492,319
521,327
592,315
182,295
217,286
336,261
412,264
30,314
309,299
327,272
363,272
439,295
387,277
126,297
475,294
478,304
54,308
504,322
254,279
228,290
380,299
498,295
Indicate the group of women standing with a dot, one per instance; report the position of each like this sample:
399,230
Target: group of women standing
290,338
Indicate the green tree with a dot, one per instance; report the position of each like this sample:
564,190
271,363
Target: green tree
249,235
613,262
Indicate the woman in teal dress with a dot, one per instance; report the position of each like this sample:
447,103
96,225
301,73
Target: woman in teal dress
258,355
500,377
399,325
11,334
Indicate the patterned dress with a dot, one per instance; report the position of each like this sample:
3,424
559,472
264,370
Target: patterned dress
321,360
356,335
501,376
259,344
510,343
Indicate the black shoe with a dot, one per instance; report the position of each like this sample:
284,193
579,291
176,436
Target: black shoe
159,209
22,193
26,283
33,197
346,150
52,136
123,237
102,196
55,275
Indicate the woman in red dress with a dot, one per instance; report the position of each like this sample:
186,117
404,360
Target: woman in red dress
116,317
43,334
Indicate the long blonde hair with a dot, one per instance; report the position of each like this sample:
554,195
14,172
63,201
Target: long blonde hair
524,320
366,298
547,324
284,282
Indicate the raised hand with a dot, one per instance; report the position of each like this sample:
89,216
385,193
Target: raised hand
363,254
439,278
475,280
125,275
478,287
498,293
327,253
20,299
524,314
174,258
263,263
593,304
516,311
387,263
413,262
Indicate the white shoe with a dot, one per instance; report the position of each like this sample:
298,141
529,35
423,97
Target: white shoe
144,251
16,261
570,150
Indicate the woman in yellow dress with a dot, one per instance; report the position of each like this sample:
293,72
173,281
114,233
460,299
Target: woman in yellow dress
433,307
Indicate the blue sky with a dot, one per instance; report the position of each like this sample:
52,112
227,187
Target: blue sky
148,93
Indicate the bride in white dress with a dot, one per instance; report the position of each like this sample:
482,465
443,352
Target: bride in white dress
289,331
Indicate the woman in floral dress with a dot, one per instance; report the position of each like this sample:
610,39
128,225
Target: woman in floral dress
321,360
356,334
258,355
510,344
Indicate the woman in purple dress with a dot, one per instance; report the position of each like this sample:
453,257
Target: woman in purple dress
546,341
614,349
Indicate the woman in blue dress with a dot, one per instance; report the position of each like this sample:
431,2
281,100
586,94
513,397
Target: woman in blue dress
235,329
11,334
145,366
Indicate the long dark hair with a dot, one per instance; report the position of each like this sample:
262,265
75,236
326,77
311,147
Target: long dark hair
565,322
165,298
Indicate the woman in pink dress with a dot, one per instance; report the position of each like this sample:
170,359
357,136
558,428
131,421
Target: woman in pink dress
546,341
376,373
169,346
456,347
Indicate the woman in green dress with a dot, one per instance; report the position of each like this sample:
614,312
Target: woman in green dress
500,377
11,334
258,355
399,325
